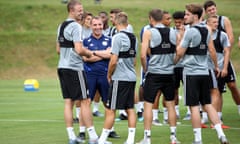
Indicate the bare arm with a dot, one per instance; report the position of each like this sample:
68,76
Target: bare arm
111,67
229,31
58,48
226,61
239,42
179,53
135,61
180,34
105,54
81,50
145,49
99,55
91,59
213,55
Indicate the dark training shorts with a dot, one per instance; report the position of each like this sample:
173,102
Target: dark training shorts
73,84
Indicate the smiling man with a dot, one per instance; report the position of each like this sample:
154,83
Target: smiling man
71,72
194,46
224,24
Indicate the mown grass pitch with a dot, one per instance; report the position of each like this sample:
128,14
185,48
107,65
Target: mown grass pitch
37,118
27,45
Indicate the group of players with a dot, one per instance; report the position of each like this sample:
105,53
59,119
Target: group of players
97,60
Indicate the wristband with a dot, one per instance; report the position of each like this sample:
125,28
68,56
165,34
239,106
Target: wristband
239,38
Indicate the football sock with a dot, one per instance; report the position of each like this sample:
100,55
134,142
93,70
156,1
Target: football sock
197,134
71,134
131,135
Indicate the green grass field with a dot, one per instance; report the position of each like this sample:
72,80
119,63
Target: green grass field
27,45
28,30
37,118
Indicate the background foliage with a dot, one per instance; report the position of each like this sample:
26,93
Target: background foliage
27,50
28,30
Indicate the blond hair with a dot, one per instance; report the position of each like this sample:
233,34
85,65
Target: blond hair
121,18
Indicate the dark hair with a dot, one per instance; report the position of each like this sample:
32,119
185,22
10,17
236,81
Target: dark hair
209,3
195,9
115,11
86,13
71,4
84,16
165,12
156,14
103,12
178,15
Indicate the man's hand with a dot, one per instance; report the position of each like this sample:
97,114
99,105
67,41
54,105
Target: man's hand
90,54
217,72
109,79
224,72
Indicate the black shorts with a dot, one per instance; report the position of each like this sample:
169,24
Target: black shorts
121,95
73,84
231,76
213,80
155,82
221,84
142,77
178,72
197,90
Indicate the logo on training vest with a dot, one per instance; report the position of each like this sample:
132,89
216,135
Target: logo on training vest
166,45
131,52
202,46
61,39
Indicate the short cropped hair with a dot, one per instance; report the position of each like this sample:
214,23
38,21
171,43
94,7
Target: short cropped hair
165,12
209,3
178,15
85,15
103,12
96,18
121,18
195,9
210,17
156,14
71,4
115,11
